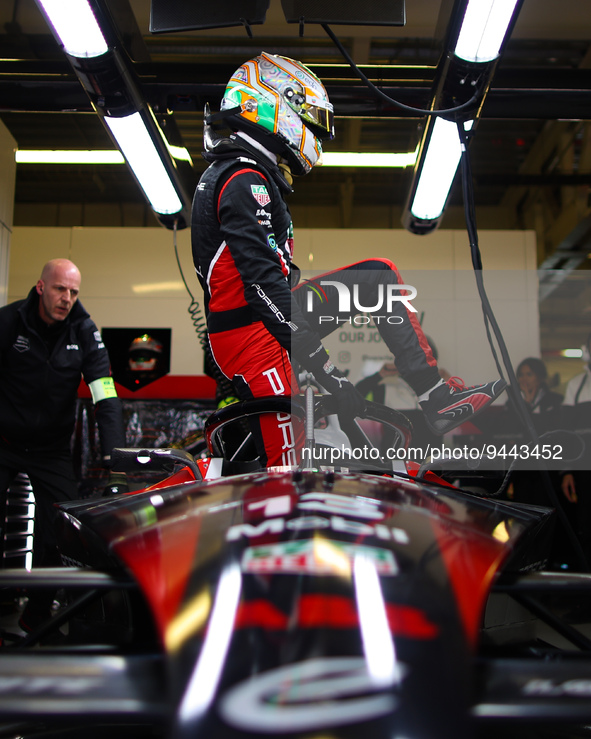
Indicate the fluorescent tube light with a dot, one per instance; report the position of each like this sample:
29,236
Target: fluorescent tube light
76,26
367,159
56,156
84,28
180,153
138,149
438,171
484,29
572,353
86,156
159,287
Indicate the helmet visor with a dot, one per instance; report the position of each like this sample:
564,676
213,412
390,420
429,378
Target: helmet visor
142,363
319,119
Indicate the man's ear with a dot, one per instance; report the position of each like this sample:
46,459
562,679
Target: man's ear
40,287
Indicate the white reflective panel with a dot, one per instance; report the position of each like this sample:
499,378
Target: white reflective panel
204,680
378,645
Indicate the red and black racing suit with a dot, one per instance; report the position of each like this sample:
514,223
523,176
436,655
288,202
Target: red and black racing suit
242,239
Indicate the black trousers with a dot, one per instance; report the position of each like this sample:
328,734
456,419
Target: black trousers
53,481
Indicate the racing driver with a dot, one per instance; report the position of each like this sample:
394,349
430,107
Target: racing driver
259,320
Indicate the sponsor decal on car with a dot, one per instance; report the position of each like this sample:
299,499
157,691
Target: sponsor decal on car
576,688
320,502
48,686
314,557
287,699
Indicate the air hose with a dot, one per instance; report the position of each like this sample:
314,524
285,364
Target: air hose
225,389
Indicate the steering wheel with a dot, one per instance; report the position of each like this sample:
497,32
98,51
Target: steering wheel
244,457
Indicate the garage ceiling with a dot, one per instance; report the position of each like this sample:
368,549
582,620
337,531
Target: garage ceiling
531,157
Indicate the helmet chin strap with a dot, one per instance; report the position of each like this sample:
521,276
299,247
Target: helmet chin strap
282,163
285,171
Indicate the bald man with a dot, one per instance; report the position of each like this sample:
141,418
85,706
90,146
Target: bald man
47,343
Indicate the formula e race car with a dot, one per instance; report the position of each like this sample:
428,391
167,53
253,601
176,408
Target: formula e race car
228,602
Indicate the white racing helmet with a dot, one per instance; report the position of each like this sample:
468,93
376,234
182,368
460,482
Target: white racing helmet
283,105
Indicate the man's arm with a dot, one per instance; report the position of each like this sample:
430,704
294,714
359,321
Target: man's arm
107,405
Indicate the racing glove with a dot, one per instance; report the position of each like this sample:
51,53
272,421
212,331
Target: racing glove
117,484
350,401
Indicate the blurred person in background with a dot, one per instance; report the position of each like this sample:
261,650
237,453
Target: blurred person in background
576,483
527,485
543,403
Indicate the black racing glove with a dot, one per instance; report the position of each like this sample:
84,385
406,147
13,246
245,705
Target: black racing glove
350,401
117,484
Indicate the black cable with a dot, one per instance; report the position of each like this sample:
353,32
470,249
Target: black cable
488,313
225,387
490,321
194,309
408,108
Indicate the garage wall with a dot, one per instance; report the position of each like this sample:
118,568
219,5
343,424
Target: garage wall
7,183
130,278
